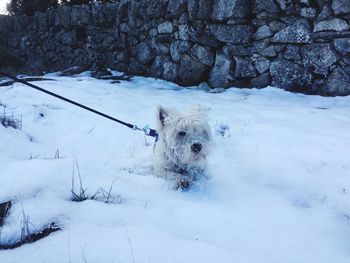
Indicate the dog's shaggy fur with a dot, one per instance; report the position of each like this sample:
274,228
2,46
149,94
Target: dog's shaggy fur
183,145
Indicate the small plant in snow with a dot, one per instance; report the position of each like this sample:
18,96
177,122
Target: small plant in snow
81,196
222,130
4,210
106,196
28,236
9,120
25,232
100,195
56,156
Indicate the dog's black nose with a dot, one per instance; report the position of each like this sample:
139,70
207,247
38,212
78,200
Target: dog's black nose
196,147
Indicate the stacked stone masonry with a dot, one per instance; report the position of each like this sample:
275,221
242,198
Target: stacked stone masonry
297,45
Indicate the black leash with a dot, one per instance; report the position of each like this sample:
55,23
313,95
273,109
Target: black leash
146,129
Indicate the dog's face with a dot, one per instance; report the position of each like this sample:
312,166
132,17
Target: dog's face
186,136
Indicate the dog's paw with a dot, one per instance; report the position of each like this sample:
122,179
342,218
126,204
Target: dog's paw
182,184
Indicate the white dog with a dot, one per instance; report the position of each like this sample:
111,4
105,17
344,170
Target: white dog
183,145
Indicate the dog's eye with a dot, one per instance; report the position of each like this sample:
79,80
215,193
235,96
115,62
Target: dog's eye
182,133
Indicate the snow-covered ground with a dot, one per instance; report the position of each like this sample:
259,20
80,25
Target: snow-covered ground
3,4
279,189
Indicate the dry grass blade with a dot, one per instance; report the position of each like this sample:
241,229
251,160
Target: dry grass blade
10,120
4,210
32,237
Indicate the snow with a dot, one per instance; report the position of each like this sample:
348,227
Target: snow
279,188
3,4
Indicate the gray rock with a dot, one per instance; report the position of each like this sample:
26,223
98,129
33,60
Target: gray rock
165,28
157,68
338,83
341,7
124,27
103,14
192,8
280,47
261,64
345,64
6,23
342,45
63,16
269,52
290,76
191,70
276,26
308,2
170,71
165,38
28,42
21,23
40,22
238,50
318,58
204,55
132,43
216,90
268,6
205,8
66,38
263,32
228,9
203,86
282,4
244,68
334,24
202,35
121,42
156,8
160,48
121,57
290,7
134,67
261,81
145,53
231,50
184,19
325,13
123,10
199,9
221,74
184,32
36,62
308,12
177,48
153,32
329,36
296,33
73,71
108,43
292,53
47,46
176,8
232,33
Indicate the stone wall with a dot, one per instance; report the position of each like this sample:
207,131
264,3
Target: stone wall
297,45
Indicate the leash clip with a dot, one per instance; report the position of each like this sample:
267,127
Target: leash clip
135,128
146,129
150,132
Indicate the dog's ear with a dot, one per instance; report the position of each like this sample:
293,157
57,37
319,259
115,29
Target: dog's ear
162,115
